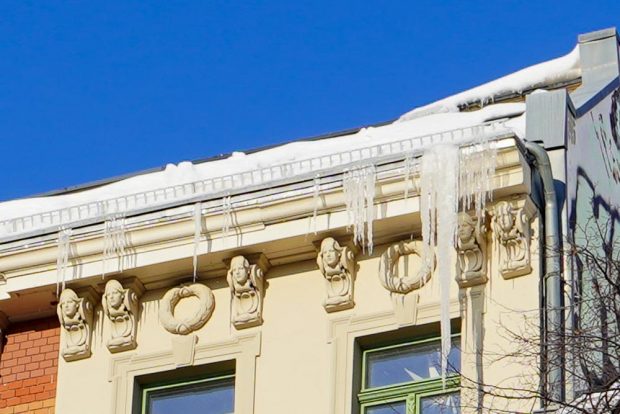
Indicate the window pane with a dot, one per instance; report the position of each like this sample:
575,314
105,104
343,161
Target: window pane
204,398
441,404
409,363
391,408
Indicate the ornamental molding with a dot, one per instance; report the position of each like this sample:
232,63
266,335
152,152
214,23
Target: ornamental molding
388,268
121,306
511,227
125,368
337,264
247,289
75,314
471,251
184,326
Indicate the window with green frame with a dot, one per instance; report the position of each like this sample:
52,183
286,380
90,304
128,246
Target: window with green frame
184,391
406,379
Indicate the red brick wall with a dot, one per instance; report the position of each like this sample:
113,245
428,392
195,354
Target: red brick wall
28,366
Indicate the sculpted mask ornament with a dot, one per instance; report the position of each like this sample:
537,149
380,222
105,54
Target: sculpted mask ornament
388,268
76,318
120,305
512,232
471,248
338,267
246,284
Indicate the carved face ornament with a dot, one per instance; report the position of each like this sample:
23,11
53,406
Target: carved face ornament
69,303
331,255
240,271
114,294
115,298
466,228
506,220
69,308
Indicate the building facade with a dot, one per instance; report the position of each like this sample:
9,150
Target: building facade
380,271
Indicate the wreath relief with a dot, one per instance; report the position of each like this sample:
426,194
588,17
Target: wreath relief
388,265
192,323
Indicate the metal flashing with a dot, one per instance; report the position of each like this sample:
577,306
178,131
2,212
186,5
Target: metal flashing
597,35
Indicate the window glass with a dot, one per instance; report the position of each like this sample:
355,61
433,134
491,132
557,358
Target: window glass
391,408
406,379
408,363
198,397
441,404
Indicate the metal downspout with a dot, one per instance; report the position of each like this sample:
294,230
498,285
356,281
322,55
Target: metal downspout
552,277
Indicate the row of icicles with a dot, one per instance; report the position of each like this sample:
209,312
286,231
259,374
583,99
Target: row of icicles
449,178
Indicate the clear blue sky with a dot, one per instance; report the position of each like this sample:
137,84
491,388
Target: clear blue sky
90,90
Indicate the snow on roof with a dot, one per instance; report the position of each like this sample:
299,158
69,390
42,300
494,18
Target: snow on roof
562,69
186,180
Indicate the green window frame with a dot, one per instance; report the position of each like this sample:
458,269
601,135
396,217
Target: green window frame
182,386
411,392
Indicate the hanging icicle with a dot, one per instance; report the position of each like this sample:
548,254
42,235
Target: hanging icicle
62,258
409,165
449,175
197,218
114,241
477,168
227,216
316,199
439,208
359,194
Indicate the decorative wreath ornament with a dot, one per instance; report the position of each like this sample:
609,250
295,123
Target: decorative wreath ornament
192,323
388,265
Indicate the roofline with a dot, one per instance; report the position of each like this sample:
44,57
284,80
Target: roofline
104,181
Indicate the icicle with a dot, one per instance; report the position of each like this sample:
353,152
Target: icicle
114,241
477,168
359,193
316,199
197,232
62,258
227,216
439,205
370,178
409,163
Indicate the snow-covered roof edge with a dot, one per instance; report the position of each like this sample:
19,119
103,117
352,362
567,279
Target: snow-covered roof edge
178,183
563,69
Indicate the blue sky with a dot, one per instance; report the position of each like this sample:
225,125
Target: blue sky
90,90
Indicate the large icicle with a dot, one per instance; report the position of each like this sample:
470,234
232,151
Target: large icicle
197,219
114,240
359,194
439,207
316,199
449,176
62,258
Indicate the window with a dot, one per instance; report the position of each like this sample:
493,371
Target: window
406,379
213,396
190,390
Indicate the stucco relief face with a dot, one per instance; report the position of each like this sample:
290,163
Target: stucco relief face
69,304
466,228
505,219
512,231
246,289
240,270
75,315
114,294
337,265
331,256
470,249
